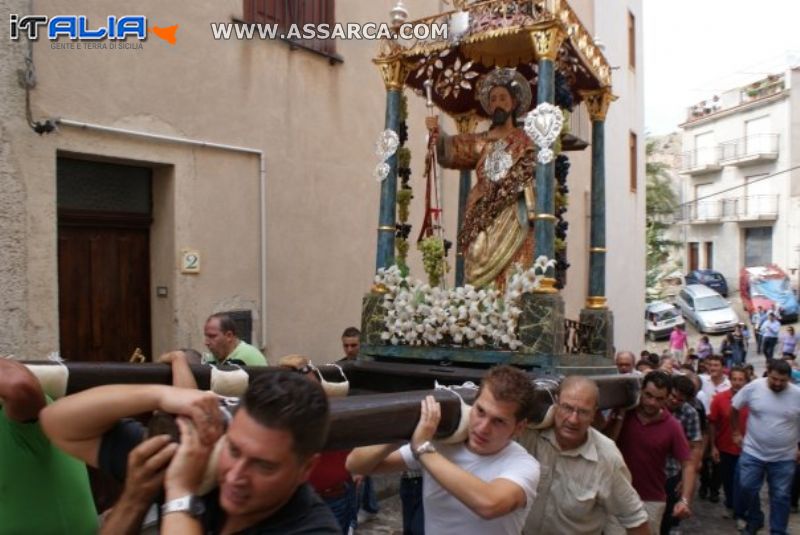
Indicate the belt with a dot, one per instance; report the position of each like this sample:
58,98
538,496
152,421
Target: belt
336,491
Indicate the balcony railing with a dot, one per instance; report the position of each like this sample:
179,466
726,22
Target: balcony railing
750,208
750,149
700,161
704,211
744,208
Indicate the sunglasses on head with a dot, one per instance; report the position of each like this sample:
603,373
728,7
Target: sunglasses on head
303,370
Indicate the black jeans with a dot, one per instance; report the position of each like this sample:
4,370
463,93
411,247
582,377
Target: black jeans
668,521
413,511
727,469
769,343
713,476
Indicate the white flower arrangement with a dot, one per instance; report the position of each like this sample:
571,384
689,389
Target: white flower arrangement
418,314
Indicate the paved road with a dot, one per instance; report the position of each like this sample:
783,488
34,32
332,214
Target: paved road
707,520
715,339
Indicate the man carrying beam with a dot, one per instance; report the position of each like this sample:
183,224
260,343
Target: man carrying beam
269,449
483,485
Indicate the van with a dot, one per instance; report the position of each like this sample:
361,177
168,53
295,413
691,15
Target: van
659,319
768,287
706,309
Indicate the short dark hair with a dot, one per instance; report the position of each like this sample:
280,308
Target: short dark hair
661,380
511,384
351,332
287,401
684,385
737,369
718,358
226,323
781,367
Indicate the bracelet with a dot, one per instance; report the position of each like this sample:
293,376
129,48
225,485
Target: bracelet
684,501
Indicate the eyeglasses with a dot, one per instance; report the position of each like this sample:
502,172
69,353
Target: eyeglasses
583,414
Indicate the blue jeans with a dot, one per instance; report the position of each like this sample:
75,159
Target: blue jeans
727,468
367,500
779,474
768,345
344,508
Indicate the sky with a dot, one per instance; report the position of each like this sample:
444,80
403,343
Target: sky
694,49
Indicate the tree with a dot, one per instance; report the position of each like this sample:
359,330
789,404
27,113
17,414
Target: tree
661,202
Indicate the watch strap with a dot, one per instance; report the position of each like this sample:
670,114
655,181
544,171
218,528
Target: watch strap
185,504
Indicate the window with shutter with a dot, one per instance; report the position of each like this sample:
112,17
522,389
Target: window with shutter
297,13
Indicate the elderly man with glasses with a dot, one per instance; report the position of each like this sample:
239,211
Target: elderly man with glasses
584,479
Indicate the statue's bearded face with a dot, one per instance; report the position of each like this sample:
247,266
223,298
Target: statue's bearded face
501,105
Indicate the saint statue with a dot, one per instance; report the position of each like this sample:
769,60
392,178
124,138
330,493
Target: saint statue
498,222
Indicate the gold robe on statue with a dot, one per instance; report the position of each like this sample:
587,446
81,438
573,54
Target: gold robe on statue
497,231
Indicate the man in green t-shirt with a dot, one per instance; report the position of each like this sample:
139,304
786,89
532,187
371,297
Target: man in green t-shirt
225,346
42,489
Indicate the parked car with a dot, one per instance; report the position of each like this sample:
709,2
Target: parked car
768,287
709,277
660,318
706,309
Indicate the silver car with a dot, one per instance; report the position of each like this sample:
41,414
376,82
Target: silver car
706,309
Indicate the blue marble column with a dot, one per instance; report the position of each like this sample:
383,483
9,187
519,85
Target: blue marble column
545,184
388,207
597,102
597,247
596,314
393,72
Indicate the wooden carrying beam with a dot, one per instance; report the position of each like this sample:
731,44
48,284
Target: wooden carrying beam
356,420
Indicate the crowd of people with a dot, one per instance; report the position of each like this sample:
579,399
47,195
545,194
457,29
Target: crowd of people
740,428
703,428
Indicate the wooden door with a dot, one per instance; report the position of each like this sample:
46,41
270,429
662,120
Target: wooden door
104,285
694,253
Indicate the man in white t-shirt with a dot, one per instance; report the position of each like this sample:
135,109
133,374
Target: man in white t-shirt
714,380
769,447
482,486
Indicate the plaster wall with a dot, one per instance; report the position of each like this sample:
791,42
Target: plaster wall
14,287
625,209
315,124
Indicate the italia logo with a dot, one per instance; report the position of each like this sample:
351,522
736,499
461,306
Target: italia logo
78,28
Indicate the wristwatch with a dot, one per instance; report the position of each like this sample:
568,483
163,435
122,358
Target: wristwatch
185,504
422,449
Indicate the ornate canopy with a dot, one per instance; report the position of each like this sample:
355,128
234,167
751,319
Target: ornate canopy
499,33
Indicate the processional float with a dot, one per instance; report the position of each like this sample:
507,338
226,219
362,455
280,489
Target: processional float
417,335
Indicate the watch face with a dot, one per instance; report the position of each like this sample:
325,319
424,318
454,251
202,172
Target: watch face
196,506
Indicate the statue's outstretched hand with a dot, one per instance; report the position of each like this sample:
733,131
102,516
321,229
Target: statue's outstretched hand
432,124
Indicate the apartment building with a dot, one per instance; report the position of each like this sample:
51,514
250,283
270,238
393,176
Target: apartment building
742,197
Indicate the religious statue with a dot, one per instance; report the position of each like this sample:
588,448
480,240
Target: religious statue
498,223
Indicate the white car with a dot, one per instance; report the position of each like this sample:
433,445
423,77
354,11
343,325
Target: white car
706,309
660,318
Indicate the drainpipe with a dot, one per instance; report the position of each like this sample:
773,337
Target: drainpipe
262,184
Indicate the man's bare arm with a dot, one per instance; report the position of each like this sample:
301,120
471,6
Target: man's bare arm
69,426
381,459
147,464
644,529
20,391
182,375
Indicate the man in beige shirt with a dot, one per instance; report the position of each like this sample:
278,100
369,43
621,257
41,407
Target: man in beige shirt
584,480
